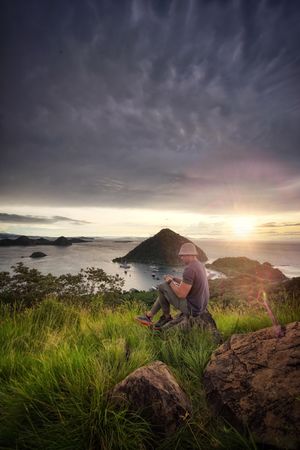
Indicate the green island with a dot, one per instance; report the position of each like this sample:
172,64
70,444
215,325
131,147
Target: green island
67,341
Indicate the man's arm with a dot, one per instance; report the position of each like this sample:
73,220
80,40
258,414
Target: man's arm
181,290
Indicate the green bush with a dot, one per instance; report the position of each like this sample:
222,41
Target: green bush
146,297
25,287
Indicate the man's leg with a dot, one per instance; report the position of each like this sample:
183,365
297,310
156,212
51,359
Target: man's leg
167,297
155,308
147,318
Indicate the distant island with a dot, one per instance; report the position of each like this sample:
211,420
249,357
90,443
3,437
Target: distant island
162,248
247,281
122,241
25,241
38,255
237,266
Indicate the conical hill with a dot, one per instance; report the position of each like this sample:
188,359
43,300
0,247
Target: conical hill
162,248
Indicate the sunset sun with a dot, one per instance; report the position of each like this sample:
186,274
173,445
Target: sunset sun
243,226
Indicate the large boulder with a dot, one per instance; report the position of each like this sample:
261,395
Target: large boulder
253,381
154,393
203,322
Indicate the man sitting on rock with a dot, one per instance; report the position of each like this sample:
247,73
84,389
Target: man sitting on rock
189,295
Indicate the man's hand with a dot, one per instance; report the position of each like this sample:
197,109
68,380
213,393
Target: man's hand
168,278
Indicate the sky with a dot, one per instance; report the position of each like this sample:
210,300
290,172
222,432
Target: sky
119,118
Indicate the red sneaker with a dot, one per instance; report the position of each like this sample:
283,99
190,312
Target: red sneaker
144,320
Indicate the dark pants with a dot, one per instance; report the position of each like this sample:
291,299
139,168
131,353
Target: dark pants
166,298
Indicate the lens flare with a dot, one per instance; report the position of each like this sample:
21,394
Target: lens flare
243,226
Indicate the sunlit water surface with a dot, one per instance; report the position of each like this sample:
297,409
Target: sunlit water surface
101,252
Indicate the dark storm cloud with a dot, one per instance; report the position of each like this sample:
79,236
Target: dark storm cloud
165,104
18,218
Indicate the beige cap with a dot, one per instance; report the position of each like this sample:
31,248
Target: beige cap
188,249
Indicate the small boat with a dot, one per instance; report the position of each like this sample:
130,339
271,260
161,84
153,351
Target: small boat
125,266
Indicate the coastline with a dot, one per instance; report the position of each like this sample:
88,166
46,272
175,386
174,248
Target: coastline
100,253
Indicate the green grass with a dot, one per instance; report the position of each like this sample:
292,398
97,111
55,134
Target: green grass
235,321
59,362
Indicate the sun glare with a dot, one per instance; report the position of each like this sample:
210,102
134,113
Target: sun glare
243,226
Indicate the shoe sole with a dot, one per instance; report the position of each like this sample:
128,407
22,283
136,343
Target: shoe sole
145,323
161,327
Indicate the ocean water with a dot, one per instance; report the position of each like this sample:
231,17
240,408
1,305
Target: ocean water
101,252
283,255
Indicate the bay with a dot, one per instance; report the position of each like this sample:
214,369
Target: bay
101,252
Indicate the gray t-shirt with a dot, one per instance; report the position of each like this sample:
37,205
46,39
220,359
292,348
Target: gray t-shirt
197,298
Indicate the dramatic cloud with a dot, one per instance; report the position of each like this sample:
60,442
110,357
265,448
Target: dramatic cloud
279,225
17,218
160,104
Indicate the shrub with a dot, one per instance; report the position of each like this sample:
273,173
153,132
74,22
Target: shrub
26,287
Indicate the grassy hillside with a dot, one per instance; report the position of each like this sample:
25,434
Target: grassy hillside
59,362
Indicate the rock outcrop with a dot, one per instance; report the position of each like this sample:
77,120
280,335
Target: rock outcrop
236,266
204,322
162,248
154,393
253,381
